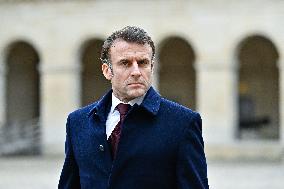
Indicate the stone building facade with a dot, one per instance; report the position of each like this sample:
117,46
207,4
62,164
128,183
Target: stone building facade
221,58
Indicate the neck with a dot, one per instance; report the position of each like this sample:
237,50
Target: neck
125,100
131,101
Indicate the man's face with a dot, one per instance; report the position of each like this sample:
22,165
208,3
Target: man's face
131,74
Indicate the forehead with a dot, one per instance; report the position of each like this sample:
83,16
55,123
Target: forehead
121,48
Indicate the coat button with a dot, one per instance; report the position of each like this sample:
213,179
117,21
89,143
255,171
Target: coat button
101,147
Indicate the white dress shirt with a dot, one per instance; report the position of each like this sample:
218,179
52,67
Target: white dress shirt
113,116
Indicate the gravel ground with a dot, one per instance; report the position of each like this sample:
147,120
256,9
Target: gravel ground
43,173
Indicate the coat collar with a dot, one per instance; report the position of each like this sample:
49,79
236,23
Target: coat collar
102,105
151,103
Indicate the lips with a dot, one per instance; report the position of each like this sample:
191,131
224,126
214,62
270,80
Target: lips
135,84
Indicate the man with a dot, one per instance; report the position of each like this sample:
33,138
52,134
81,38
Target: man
151,143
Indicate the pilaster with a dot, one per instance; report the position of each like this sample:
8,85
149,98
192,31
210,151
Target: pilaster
60,95
156,71
216,88
2,91
281,101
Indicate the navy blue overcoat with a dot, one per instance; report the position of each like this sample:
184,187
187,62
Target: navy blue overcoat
161,147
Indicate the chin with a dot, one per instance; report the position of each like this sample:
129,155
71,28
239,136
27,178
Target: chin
137,93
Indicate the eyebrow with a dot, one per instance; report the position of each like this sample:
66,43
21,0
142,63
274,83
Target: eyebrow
122,60
144,59
139,59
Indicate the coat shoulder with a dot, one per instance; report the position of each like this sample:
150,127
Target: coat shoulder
83,111
176,108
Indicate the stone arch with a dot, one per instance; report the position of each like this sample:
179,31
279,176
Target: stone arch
22,96
93,83
258,89
177,76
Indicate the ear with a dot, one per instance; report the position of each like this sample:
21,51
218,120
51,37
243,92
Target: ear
152,66
107,71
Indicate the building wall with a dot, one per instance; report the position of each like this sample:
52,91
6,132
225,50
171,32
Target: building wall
58,29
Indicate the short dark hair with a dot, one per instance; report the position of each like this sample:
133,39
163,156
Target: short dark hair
130,34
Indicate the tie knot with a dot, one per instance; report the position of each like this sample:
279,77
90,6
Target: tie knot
123,108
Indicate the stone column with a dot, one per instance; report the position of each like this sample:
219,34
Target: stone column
60,94
156,71
2,91
216,101
281,107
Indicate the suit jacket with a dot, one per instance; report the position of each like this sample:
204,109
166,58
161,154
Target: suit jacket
161,147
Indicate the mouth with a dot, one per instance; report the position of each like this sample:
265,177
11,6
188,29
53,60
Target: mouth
135,84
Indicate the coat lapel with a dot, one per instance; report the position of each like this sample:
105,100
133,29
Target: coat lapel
97,123
151,105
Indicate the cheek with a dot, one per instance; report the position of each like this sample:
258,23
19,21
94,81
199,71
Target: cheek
117,80
148,75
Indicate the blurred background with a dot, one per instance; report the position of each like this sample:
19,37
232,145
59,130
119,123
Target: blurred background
223,58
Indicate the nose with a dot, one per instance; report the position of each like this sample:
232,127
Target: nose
135,71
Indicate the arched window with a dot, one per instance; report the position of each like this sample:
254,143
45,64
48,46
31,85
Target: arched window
93,83
177,75
22,98
258,89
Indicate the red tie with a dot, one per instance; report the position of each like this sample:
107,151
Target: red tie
115,135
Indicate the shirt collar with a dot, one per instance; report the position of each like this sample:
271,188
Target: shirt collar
150,101
116,101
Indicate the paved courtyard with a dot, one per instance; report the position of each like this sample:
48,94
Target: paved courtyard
43,173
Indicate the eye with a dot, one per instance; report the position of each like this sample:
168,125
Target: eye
124,62
143,62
